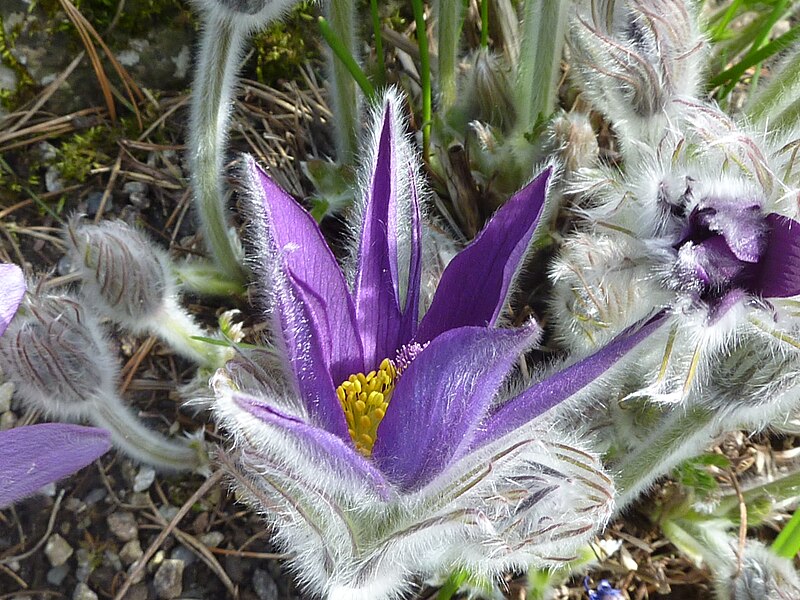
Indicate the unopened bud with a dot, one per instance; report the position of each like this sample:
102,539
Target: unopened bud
763,576
635,64
123,273
248,14
56,355
572,138
487,90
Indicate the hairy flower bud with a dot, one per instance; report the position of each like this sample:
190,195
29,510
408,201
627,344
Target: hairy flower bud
56,355
123,273
763,576
247,14
634,63
129,279
487,89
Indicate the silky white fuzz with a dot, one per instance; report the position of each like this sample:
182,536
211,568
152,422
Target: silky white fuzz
531,498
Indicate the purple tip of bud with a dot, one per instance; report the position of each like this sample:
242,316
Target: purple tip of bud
33,456
13,289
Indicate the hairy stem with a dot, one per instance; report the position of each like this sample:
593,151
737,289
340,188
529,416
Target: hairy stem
220,47
131,436
341,17
683,434
449,20
543,36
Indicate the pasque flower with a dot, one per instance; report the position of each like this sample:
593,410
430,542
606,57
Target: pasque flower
390,448
33,456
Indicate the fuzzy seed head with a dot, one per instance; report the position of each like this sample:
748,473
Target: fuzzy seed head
123,273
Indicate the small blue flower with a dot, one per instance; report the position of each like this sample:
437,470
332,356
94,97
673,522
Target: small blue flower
604,590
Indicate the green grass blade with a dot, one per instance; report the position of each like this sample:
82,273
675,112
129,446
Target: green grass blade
753,58
787,544
425,75
376,29
346,58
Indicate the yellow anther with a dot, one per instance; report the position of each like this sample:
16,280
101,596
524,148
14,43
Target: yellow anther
364,399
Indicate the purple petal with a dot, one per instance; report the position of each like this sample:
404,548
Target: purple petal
13,289
475,285
33,456
305,257
557,388
340,454
302,335
741,223
779,267
384,324
441,398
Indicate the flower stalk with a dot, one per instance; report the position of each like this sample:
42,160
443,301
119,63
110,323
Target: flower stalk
544,25
221,44
448,24
344,94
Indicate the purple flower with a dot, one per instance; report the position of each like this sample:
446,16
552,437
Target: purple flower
729,249
33,456
604,590
385,449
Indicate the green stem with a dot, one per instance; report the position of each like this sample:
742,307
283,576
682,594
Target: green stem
543,36
753,58
484,23
450,587
376,29
344,95
131,436
449,21
425,75
204,278
685,429
787,544
220,46
178,330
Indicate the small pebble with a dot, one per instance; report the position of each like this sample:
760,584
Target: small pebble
212,539
168,512
57,550
95,496
83,592
137,592
6,391
57,574
131,552
123,525
144,479
168,581
52,180
94,200
183,554
264,585
137,194
86,565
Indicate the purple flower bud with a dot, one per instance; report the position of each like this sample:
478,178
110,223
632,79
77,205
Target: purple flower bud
123,273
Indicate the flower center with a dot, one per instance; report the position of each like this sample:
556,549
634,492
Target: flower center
364,399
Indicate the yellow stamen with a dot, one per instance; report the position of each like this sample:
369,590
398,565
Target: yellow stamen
364,399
